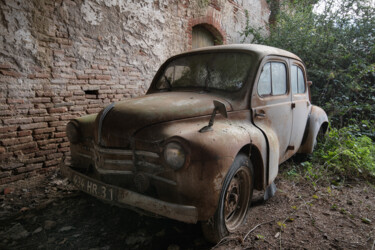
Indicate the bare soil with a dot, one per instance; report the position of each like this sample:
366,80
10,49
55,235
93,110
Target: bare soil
46,212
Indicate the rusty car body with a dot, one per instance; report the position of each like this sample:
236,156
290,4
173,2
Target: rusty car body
215,124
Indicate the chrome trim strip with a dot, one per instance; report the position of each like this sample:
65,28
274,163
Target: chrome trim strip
147,164
84,155
119,162
104,114
126,152
173,183
147,153
114,151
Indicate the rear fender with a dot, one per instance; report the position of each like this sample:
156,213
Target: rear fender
318,119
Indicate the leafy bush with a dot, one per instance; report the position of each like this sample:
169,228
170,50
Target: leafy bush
344,153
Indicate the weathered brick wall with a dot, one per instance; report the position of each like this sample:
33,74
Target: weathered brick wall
63,59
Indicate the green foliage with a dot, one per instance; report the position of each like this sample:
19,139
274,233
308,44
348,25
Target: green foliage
338,47
345,153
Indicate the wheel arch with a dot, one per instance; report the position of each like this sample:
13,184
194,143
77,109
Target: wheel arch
258,164
318,119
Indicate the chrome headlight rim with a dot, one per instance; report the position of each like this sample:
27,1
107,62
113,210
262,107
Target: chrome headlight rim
183,147
72,132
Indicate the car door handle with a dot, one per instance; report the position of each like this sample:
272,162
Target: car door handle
261,115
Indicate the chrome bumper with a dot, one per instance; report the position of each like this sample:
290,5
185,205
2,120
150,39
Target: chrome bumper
120,196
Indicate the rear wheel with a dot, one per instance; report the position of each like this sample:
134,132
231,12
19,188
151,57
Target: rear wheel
234,200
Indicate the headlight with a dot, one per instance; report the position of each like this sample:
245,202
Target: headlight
72,132
174,155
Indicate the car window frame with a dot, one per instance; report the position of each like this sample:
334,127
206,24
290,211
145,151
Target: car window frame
287,75
302,68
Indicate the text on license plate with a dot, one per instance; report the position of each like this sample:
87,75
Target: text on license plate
93,188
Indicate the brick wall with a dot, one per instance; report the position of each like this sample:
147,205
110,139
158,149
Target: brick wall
64,59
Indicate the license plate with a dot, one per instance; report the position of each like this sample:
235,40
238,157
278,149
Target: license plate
94,188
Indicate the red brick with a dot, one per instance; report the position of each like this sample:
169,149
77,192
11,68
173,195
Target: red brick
41,136
60,134
12,179
10,73
34,125
29,167
6,156
68,117
103,77
8,135
94,110
7,112
29,150
24,133
51,118
40,75
57,110
37,111
77,108
41,100
10,166
61,129
84,77
5,66
22,146
15,101
65,93
45,152
2,150
34,160
52,162
8,129
92,71
25,139
43,130
65,149
54,156
9,142
5,174
64,144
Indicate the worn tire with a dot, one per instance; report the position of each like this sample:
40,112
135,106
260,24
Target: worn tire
234,201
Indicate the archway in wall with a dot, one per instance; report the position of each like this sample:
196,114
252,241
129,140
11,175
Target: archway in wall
204,35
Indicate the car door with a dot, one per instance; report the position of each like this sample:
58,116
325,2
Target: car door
301,105
271,109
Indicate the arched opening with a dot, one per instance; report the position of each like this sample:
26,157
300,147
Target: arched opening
202,36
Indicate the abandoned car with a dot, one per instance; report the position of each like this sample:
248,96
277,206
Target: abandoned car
215,124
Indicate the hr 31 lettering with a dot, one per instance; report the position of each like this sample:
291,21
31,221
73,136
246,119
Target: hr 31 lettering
92,188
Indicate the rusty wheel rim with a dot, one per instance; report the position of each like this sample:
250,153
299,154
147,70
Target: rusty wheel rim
237,198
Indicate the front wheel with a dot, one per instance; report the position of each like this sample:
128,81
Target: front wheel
234,200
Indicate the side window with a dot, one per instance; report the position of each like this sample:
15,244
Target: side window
264,84
272,80
298,80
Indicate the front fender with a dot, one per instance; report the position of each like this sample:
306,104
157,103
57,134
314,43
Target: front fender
317,119
211,155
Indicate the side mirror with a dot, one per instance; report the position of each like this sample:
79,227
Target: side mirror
219,107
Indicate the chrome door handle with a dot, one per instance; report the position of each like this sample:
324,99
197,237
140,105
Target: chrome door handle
262,115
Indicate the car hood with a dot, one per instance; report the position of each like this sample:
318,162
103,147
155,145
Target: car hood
116,126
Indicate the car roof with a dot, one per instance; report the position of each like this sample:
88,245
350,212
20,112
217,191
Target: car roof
261,50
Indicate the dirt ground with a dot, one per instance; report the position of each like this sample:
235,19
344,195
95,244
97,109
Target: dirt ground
46,212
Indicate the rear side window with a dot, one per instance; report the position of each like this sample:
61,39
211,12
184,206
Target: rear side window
272,80
298,80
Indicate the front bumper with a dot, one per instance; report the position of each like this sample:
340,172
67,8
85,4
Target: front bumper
120,197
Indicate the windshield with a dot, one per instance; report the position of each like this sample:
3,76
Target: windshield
221,70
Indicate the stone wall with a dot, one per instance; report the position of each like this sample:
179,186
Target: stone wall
63,59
